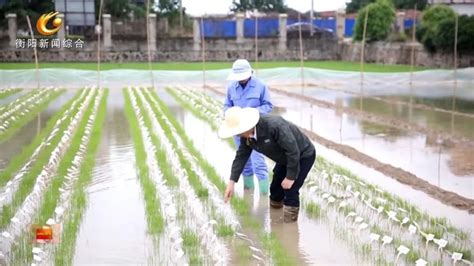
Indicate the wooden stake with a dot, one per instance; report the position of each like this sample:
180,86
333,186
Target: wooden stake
148,43
413,41
301,52
37,77
256,40
203,54
98,43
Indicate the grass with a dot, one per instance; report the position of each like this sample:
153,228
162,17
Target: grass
6,93
19,123
271,244
331,65
19,160
155,218
52,194
65,249
26,185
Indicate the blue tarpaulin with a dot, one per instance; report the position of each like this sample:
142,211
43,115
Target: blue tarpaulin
214,28
268,27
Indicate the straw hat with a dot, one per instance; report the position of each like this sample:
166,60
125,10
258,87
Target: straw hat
241,70
238,120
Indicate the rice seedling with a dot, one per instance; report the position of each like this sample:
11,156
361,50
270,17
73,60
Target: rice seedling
7,92
44,166
55,200
197,110
9,125
198,218
313,210
154,216
398,210
191,245
273,246
27,153
65,250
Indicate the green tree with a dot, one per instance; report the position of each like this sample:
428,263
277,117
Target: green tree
260,5
379,22
33,8
168,8
443,38
117,9
355,5
434,19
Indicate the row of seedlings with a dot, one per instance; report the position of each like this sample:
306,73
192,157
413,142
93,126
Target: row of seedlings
21,166
18,113
67,189
4,93
193,195
22,203
371,208
271,249
158,195
56,203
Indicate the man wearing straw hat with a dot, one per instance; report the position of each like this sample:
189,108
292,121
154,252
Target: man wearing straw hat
247,91
281,141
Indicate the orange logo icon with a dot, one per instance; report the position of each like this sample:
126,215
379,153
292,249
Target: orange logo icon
43,20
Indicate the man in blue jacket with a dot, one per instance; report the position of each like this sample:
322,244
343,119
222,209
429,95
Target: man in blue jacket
247,91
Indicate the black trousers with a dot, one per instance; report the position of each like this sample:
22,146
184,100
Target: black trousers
290,197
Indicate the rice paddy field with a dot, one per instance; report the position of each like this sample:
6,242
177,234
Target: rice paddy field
132,173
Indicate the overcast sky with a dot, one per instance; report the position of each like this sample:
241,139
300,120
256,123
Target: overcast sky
200,7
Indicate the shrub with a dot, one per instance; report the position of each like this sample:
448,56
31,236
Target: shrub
380,20
432,18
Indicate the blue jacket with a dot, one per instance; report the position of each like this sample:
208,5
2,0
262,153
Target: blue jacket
254,95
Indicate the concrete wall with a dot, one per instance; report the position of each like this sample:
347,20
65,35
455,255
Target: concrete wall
400,53
181,49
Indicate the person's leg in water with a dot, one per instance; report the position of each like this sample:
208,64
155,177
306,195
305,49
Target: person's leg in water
291,200
248,171
276,191
261,171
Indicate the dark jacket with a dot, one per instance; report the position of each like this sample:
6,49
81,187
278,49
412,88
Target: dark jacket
279,140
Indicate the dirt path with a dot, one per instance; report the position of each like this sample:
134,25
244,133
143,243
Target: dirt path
402,176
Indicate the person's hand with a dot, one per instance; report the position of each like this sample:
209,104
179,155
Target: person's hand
287,183
229,191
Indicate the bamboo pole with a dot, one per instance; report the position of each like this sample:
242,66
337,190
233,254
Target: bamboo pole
256,40
301,53
98,42
456,48
37,77
148,43
455,71
363,46
203,54
362,51
413,41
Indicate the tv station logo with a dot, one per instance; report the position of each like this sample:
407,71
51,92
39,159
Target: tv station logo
47,25
41,24
46,234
